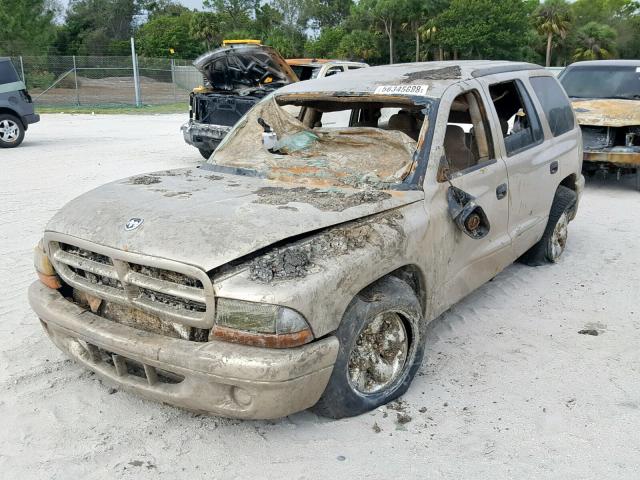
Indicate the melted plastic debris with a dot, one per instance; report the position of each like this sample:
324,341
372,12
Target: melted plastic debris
326,200
446,73
299,260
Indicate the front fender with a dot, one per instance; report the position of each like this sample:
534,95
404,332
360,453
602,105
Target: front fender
341,262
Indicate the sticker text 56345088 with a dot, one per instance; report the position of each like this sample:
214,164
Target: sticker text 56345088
402,90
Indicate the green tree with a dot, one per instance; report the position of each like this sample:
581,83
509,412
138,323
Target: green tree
208,28
552,18
492,29
239,11
419,14
164,33
385,15
595,42
360,45
26,26
326,13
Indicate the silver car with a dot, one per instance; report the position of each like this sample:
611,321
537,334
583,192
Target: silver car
300,266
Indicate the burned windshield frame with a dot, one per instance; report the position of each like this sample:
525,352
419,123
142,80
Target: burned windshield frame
598,82
427,106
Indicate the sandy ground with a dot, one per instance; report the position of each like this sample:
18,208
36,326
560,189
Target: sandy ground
509,389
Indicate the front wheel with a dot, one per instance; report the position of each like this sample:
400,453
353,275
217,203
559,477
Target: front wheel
11,131
382,339
554,239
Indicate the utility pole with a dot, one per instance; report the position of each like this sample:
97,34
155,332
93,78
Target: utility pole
136,78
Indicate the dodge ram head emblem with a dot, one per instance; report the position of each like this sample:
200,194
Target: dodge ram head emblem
133,223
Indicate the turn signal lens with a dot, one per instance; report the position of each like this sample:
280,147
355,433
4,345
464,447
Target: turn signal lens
45,270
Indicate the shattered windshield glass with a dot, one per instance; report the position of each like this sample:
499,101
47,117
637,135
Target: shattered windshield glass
602,82
327,141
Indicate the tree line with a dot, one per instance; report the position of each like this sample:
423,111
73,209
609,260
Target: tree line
554,32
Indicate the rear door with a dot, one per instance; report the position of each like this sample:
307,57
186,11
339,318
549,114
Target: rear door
531,165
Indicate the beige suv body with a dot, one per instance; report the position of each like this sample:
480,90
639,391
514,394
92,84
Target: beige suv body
302,263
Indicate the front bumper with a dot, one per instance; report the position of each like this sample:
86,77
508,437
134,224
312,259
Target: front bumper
204,136
217,377
618,156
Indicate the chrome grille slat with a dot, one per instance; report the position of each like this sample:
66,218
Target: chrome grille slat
169,288
85,264
148,284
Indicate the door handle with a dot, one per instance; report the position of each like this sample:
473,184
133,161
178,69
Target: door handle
553,167
501,191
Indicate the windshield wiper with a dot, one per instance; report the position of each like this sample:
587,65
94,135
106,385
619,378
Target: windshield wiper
635,96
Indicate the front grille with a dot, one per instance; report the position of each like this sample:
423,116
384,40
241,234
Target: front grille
183,297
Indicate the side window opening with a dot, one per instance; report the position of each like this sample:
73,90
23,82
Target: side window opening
333,71
518,119
467,141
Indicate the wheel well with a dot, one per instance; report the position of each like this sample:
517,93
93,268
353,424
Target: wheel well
569,182
412,275
11,112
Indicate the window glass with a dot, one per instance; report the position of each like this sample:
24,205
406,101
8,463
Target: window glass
7,72
518,119
602,82
467,139
554,103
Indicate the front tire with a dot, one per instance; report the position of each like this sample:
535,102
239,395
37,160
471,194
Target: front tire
382,340
554,239
11,131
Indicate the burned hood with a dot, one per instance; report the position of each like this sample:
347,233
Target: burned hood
206,219
607,112
239,67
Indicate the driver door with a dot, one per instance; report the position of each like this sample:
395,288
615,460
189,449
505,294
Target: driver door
464,149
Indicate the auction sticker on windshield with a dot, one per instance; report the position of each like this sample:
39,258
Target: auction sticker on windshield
402,90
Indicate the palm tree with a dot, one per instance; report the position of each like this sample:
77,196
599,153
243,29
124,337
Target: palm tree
596,41
553,17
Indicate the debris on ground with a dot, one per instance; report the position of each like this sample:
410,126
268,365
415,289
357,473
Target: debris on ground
376,427
402,418
589,331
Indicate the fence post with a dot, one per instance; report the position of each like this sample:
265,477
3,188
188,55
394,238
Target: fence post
136,79
173,79
24,80
75,76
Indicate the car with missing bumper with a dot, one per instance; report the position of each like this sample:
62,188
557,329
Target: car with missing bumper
16,106
299,267
606,98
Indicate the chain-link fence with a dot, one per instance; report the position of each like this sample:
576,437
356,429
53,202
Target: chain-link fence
105,81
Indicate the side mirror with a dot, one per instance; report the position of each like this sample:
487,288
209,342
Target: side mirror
468,216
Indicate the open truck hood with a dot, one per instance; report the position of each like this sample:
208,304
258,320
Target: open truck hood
206,219
238,67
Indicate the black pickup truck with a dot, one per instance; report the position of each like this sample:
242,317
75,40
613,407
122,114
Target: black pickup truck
236,78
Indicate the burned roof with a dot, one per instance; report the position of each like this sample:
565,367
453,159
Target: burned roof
436,76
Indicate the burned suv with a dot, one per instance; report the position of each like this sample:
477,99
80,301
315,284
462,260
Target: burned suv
606,99
236,76
301,264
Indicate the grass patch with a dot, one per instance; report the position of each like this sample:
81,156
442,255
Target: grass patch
182,107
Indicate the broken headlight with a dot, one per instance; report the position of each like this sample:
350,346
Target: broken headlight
44,268
259,324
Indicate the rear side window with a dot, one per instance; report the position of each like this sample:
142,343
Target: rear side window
8,74
554,103
519,121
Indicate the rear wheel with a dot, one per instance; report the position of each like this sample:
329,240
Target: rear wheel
554,239
11,131
382,338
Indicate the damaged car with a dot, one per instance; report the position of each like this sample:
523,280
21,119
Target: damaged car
237,76
301,264
16,106
606,99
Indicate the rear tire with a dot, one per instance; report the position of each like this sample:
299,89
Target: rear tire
382,340
554,239
11,131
